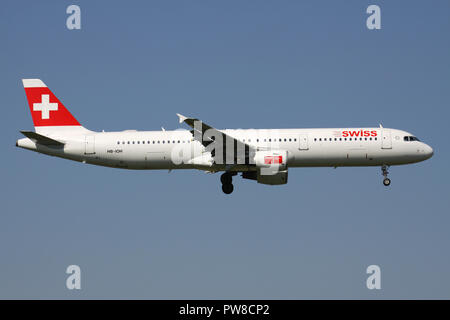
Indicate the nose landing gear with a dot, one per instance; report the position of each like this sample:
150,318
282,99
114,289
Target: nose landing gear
227,185
385,172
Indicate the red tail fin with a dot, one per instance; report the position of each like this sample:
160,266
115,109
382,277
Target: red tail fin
46,110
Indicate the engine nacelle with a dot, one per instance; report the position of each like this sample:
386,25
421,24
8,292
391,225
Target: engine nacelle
281,177
275,159
272,167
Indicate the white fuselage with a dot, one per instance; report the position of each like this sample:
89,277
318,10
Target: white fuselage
178,150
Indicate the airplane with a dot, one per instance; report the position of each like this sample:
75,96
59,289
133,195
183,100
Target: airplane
263,155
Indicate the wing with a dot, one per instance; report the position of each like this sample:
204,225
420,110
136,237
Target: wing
224,148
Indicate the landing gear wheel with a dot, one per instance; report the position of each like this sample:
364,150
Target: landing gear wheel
227,188
385,172
226,178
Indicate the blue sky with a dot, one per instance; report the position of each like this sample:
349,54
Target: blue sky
233,64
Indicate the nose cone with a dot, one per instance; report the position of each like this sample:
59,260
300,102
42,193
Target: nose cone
428,151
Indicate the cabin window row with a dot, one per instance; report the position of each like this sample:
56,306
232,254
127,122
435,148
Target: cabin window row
274,140
187,141
345,139
152,142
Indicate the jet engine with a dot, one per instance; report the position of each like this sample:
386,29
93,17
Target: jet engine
271,167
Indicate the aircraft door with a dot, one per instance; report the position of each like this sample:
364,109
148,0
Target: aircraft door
89,145
386,141
303,142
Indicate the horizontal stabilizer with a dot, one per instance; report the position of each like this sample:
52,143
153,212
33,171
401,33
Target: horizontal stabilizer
39,138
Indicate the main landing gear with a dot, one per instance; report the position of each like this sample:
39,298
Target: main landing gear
386,180
227,182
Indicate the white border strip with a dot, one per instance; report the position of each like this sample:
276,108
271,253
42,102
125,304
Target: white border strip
33,83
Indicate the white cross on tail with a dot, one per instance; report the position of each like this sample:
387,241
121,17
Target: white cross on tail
45,106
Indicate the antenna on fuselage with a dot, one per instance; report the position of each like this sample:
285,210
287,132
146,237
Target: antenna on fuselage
381,126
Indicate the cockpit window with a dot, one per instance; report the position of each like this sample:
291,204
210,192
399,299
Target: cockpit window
410,138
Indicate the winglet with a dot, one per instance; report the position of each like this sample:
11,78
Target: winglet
181,118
